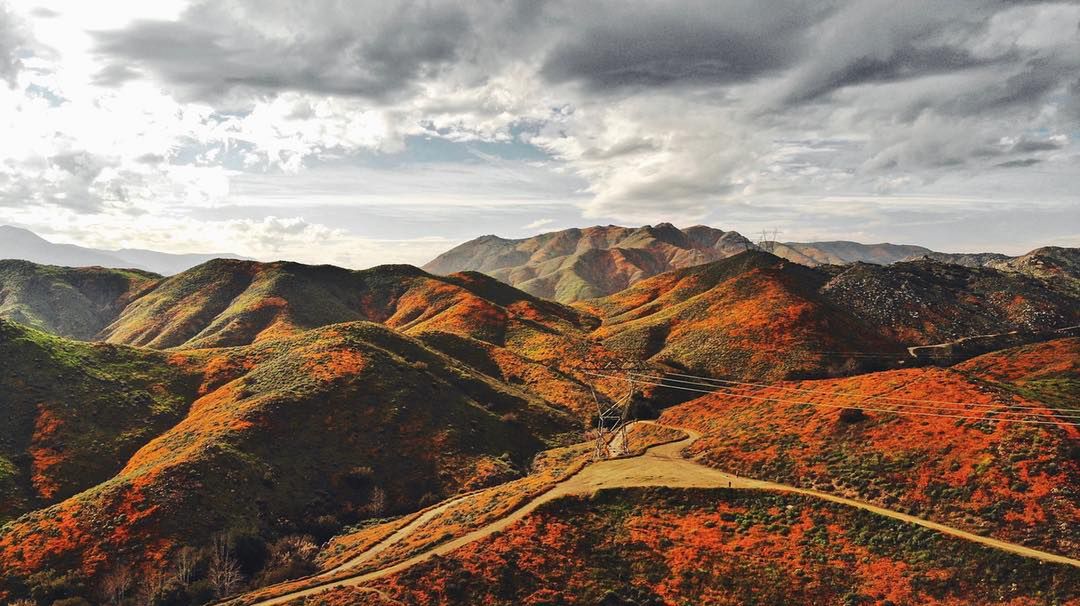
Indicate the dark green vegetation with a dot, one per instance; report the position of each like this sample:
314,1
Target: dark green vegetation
72,302
73,413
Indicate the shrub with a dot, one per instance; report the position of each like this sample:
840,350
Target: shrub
852,415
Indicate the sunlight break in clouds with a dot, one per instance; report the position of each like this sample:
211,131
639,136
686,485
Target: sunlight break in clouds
386,121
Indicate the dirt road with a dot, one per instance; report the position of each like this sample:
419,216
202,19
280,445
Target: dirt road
659,466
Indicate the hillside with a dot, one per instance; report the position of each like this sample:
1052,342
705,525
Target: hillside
577,264
323,429
224,303
755,315
73,302
1016,481
843,252
924,302
507,333
663,546
17,243
75,412
1059,265
751,315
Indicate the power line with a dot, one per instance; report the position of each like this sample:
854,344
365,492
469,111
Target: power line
859,396
898,408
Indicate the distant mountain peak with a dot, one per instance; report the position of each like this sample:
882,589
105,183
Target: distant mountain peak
19,243
575,264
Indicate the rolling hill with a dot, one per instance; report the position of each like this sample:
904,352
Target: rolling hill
755,315
577,264
920,442
223,303
923,302
325,428
75,412
583,263
842,252
73,302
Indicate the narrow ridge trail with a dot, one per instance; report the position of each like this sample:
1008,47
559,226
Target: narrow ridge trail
661,465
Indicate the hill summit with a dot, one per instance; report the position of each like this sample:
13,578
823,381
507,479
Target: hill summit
576,264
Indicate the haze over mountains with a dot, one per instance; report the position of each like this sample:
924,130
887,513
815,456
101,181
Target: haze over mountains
18,243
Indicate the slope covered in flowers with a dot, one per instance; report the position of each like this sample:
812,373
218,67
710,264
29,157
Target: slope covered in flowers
752,315
1019,482
228,302
296,436
669,547
74,412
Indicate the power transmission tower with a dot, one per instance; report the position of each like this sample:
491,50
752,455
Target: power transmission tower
613,416
767,242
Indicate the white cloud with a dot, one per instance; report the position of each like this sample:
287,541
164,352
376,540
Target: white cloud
132,112
538,224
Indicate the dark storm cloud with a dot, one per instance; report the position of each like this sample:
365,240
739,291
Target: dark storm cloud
1026,162
1036,145
904,63
913,90
344,49
626,45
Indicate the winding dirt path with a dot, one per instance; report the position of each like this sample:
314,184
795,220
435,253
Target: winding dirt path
661,465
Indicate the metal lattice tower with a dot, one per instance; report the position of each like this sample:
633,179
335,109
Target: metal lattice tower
613,418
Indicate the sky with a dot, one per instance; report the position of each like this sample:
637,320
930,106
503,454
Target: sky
361,132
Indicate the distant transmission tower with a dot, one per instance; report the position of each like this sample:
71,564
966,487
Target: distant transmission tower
767,242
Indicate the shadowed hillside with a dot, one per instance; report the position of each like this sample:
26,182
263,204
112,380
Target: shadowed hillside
75,412
72,302
924,302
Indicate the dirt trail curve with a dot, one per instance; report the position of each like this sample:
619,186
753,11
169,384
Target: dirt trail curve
659,466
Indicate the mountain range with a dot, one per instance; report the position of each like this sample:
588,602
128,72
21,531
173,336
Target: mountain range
415,435
577,264
18,243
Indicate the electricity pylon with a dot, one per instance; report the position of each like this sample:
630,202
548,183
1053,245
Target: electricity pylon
613,418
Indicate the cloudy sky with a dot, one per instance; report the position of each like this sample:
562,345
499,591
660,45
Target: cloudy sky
358,133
